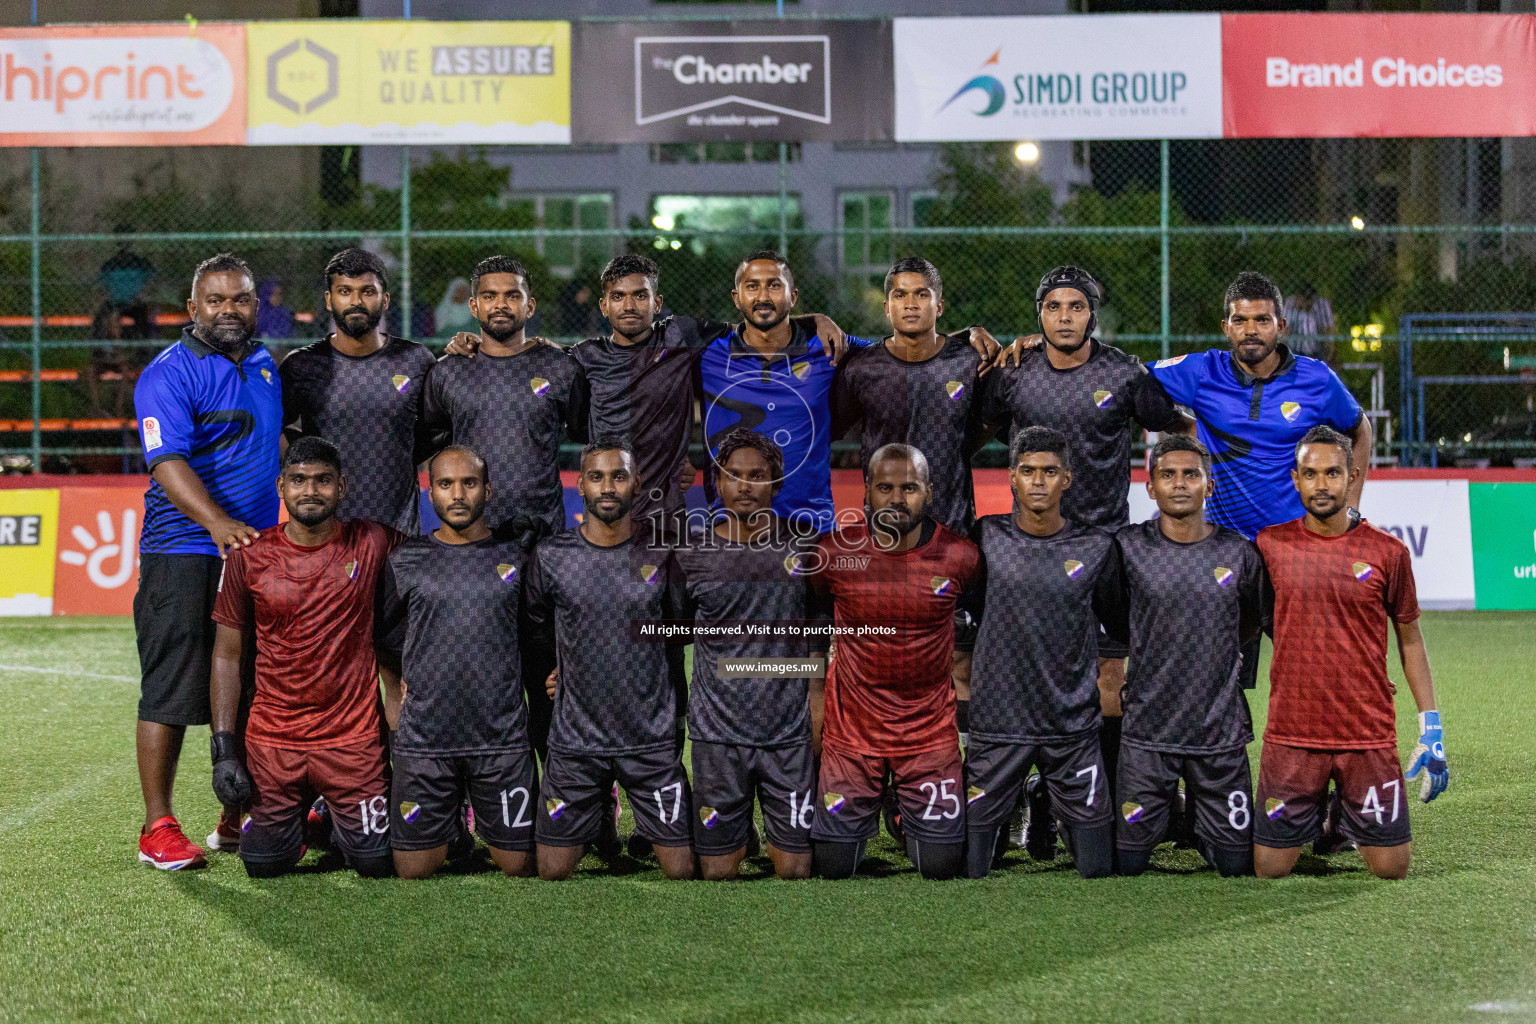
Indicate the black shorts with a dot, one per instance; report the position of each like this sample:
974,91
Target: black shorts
428,794
726,777
172,619
1112,648
575,793
1073,771
927,783
1293,793
1219,786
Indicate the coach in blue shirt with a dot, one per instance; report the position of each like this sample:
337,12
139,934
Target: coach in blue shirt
1252,404
210,416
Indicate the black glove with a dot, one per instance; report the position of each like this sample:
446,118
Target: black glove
231,784
526,530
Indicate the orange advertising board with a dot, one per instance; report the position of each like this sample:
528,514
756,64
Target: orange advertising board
123,85
97,568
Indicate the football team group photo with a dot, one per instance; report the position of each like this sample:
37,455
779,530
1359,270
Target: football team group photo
361,574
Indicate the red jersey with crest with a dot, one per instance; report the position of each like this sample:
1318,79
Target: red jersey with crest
312,610
1333,597
889,693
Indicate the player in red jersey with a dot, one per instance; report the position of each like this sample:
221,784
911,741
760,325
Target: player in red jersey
889,698
1336,584
307,587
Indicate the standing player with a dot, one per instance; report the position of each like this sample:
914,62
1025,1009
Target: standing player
1090,392
751,735
1337,583
463,728
1047,582
1191,602
890,706
307,590
615,702
361,390
775,375
210,417
511,404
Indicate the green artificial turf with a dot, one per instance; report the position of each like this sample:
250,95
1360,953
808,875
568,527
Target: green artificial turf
90,934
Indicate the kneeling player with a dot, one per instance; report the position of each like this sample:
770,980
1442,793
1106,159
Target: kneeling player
615,702
1046,583
890,700
1191,603
750,735
463,724
1337,581
308,587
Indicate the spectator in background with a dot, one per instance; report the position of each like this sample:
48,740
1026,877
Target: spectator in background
124,276
273,319
1310,320
111,364
576,312
453,313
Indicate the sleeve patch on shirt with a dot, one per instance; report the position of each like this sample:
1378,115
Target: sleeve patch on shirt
152,438
1170,361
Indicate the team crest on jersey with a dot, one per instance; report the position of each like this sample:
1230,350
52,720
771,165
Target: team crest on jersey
350,569
245,823
1290,410
1362,571
649,573
1171,361
409,811
973,794
709,817
1131,812
941,585
401,382
1223,575
1074,568
792,564
266,375
507,572
659,356
834,802
1273,807
539,385
954,389
801,370
555,807
1101,398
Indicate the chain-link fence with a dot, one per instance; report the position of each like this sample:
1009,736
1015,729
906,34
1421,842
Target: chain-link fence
1365,238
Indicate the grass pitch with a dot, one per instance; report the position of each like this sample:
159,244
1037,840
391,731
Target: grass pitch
87,933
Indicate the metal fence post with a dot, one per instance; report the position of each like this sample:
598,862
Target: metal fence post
37,314
1166,312
406,319
783,199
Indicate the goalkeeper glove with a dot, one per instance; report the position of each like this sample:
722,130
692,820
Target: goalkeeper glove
1429,757
231,784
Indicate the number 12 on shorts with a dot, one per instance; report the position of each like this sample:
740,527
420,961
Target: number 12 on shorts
521,819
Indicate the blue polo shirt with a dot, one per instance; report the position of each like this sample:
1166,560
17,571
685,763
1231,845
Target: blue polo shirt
1252,426
785,396
221,417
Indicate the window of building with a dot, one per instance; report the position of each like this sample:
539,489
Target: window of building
722,213
865,239
722,152
920,207
556,212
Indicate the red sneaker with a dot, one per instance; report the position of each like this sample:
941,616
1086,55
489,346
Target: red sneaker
225,838
168,848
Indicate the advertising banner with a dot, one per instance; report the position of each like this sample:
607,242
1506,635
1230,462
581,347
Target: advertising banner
1341,75
1431,517
97,571
1123,76
1504,540
29,523
123,85
331,82
690,81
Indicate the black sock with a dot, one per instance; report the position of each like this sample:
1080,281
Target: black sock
936,861
1092,850
836,860
980,851
269,868
374,867
1229,862
1132,862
